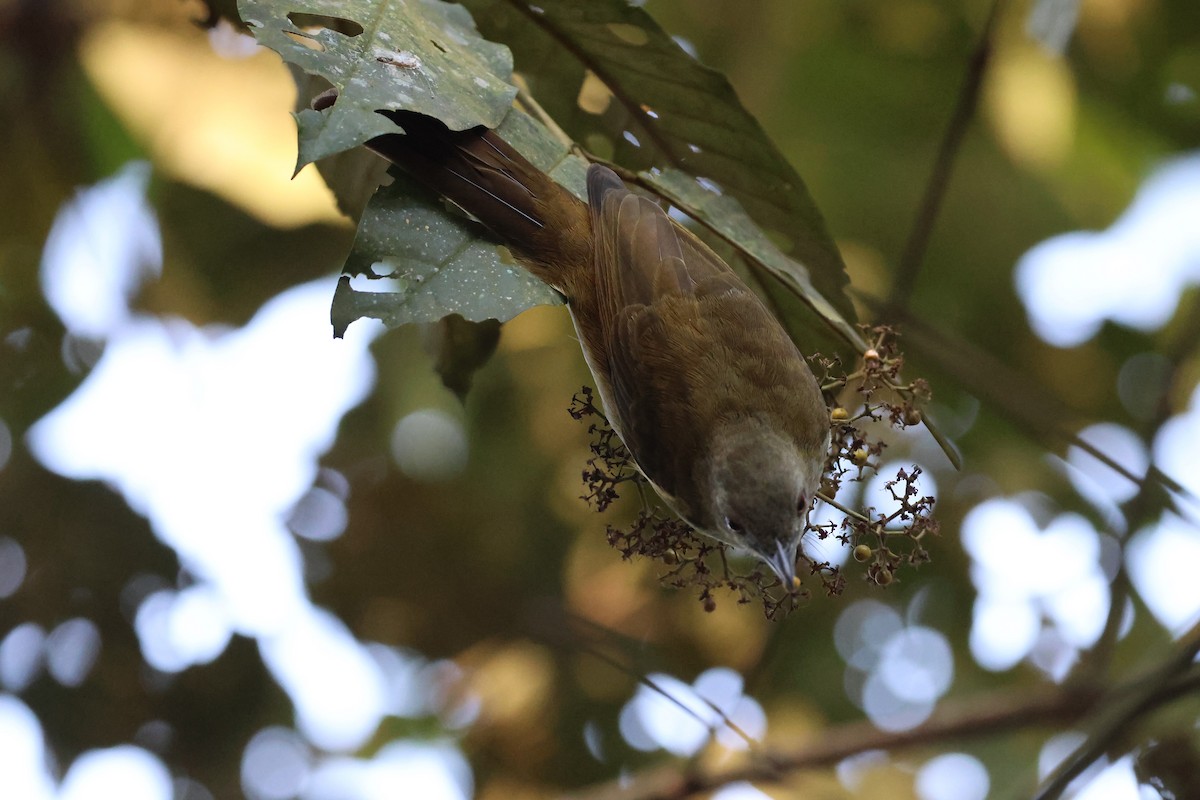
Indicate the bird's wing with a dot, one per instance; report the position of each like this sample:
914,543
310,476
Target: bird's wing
655,286
641,255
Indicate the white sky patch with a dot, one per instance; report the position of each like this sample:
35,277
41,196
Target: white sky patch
650,721
276,765
1051,23
102,245
124,771
338,686
1160,558
1175,447
1096,482
22,656
830,548
178,630
1132,273
213,435
1162,563
740,791
23,752
953,776
1117,781
430,445
71,650
430,771
1025,575
896,671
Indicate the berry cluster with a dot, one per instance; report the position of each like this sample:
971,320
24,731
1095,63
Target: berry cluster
885,542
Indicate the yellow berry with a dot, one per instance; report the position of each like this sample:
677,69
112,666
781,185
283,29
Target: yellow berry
840,414
863,552
884,576
860,456
912,416
871,356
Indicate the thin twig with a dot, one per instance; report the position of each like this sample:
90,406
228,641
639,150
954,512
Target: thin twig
935,191
1119,712
855,514
975,716
563,634
1145,505
1139,511
532,107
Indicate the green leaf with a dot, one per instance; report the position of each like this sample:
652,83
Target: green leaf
445,264
681,113
724,215
441,264
421,55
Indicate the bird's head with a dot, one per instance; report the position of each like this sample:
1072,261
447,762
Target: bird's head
761,484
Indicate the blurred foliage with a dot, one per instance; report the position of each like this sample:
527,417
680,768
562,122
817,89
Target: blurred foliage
496,567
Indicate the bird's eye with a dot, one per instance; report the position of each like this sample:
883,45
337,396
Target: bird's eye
802,505
733,525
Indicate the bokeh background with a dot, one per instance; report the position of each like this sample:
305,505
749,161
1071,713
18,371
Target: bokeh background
241,558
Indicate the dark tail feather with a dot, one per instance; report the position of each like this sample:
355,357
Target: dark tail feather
480,172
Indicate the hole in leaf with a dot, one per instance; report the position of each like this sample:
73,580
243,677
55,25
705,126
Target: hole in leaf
306,40
346,27
630,34
594,96
324,100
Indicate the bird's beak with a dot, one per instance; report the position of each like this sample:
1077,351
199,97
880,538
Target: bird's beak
783,561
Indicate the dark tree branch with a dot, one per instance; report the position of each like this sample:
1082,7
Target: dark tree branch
935,191
1117,714
969,717
1145,506
1114,712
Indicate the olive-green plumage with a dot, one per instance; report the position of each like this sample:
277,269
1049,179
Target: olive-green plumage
715,403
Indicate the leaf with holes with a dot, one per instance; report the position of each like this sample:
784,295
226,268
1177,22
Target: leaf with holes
438,266
441,263
722,213
650,104
420,55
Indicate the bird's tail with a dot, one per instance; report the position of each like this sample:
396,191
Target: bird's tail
547,228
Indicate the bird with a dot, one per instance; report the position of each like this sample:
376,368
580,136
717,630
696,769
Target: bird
715,404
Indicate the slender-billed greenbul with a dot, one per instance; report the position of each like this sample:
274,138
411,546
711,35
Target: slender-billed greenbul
715,404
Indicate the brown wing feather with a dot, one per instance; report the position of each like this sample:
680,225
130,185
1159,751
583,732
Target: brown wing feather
662,295
647,255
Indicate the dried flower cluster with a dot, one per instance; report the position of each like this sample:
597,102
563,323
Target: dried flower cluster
883,542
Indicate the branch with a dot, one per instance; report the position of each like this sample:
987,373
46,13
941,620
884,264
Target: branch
935,190
1144,507
968,717
1116,715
